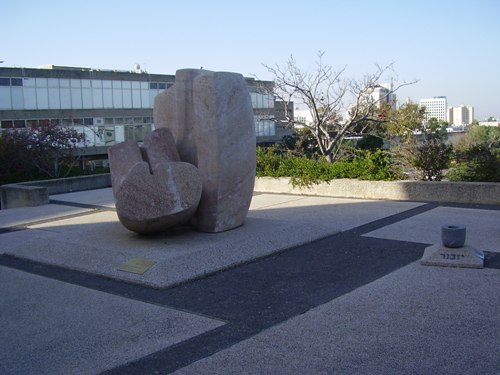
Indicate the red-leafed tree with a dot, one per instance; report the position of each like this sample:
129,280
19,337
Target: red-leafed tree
40,151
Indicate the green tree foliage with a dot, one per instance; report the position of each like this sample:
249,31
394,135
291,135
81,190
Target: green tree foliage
370,142
478,157
435,129
405,121
488,136
479,163
301,143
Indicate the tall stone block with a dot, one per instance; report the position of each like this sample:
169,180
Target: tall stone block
211,118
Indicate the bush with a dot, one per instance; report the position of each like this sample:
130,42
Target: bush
430,158
363,165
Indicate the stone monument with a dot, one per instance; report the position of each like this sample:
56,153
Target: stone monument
198,166
153,189
453,252
211,118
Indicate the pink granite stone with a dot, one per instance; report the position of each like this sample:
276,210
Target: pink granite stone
211,118
153,189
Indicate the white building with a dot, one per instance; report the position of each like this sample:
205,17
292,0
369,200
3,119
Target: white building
460,115
435,107
383,94
302,117
108,106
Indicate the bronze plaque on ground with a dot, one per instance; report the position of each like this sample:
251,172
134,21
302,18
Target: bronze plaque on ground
137,265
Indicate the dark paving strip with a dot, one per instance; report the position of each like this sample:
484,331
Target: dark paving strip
26,225
491,260
377,224
493,207
12,229
95,208
81,205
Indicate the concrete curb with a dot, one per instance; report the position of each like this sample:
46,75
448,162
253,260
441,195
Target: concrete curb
455,192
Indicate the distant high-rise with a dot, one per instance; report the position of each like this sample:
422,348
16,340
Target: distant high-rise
435,107
383,93
460,115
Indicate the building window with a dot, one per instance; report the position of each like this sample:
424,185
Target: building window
11,81
16,81
32,123
19,124
159,85
7,124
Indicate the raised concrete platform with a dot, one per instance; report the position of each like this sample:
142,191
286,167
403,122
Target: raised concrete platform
95,241
409,319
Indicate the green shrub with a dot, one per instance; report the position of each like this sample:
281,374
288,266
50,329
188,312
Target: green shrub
364,165
430,158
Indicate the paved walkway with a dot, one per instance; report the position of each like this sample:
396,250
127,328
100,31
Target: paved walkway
308,285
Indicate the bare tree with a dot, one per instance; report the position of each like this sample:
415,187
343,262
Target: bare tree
338,107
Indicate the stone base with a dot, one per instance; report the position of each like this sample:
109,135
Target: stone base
466,256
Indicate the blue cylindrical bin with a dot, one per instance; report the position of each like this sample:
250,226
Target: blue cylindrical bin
453,235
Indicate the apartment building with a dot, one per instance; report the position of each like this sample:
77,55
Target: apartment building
460,115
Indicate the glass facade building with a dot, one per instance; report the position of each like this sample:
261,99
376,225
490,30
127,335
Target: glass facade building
107,106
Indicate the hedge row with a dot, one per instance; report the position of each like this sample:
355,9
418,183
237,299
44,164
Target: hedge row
363,165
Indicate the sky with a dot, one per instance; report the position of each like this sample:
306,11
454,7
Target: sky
451,47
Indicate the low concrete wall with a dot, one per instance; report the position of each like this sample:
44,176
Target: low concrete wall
70,184
36,193
455,192
14,196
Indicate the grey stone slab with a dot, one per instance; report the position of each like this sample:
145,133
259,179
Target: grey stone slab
49,327
466,256
417,320
483,227
99,244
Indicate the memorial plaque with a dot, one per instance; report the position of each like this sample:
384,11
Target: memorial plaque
137,265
